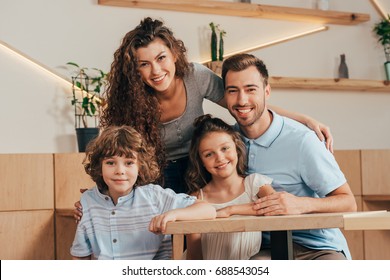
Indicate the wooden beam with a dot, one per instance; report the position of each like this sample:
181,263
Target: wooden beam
245,10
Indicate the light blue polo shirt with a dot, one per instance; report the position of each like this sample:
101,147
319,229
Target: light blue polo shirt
121,231
299,163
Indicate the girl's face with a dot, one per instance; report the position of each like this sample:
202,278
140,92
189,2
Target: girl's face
156,64
218,153
120,175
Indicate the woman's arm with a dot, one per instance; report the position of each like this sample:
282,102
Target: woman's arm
322,131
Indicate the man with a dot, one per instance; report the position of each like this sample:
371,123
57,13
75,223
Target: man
305,173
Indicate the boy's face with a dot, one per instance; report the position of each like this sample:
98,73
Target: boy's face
120,174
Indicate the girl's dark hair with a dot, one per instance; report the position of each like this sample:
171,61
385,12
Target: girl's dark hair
129,100
197,175
121,141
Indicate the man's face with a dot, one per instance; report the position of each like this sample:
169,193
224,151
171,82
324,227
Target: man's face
245,96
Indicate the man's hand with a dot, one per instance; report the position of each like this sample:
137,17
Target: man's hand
278,203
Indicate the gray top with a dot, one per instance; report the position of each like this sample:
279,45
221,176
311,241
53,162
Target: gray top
200,83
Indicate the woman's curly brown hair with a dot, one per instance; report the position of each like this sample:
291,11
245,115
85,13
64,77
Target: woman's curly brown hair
121,141
129,100
197,175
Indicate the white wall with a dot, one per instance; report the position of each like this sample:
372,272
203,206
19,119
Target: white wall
36,115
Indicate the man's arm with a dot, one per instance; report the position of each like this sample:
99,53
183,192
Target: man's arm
283,203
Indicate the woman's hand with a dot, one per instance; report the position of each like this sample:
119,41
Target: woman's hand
322,131
78,209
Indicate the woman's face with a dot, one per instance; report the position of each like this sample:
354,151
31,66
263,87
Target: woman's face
156,64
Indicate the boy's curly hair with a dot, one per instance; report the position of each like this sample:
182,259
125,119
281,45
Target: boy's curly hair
121,141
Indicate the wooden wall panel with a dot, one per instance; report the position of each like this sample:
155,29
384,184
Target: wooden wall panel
375,172
349,162
376,242
70,178
65,231
27,235
26,182
355,237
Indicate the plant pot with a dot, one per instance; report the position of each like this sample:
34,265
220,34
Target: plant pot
387,70
84,136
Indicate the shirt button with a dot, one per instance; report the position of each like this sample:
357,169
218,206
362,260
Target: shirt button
114,240
106,198
113,213
252,155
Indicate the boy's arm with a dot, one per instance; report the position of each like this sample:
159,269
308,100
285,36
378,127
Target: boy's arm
198,211
194,246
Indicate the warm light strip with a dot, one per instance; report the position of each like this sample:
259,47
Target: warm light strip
40,66
277,41
379,9
33,62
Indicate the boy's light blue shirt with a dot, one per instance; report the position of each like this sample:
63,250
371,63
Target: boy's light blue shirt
300,164
108,231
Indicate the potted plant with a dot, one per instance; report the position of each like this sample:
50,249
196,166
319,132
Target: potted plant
382,30
88,87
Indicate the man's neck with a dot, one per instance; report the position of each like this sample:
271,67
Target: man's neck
259,127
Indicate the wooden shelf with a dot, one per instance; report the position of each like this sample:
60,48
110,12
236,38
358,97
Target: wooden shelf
245,10
330,84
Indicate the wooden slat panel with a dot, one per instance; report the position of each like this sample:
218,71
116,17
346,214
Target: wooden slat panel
245,10
375,172
70,177
65,231
27,235
376,242
349,162
355,237
26,181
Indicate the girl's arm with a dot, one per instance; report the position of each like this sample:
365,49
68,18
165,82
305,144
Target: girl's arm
239,209
245,209
322,131
194,246
198,211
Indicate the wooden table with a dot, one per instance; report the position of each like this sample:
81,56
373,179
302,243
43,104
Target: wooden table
279,226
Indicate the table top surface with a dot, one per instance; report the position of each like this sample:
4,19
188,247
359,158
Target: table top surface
367,220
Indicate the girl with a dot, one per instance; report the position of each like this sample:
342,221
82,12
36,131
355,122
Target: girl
124,209
153,88
216,174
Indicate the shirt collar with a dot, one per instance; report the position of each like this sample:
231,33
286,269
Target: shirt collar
271,133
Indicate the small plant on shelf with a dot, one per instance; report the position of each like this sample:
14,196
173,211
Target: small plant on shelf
382,31
88,88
